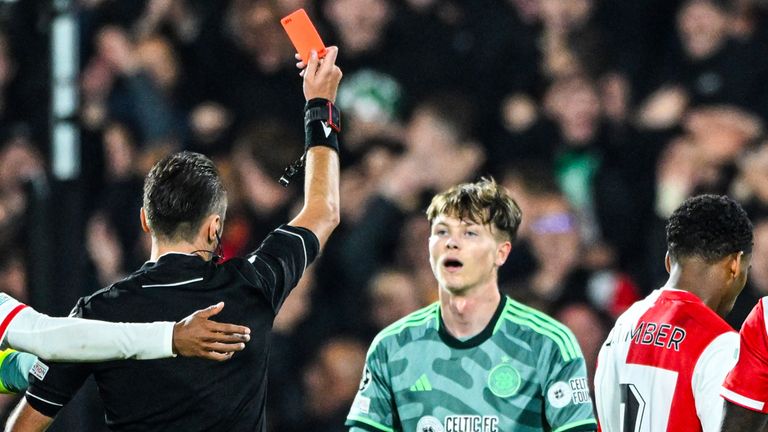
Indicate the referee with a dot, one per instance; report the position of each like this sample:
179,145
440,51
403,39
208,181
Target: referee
184,209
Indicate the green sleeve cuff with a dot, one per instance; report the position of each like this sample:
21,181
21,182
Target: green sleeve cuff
14,371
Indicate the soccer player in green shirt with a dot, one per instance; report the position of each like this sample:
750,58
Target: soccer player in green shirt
474,361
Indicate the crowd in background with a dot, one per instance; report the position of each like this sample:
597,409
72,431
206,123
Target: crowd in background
600,117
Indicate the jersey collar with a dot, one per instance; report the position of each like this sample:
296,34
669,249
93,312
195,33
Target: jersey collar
169,253
475,340
173,267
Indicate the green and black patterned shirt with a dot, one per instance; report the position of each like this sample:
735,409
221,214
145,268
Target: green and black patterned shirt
524,372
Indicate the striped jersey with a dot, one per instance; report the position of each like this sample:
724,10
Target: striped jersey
661,368
747,384
524,372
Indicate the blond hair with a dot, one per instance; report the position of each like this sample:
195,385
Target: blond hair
483,202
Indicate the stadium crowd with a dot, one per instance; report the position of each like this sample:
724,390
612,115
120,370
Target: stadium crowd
599,116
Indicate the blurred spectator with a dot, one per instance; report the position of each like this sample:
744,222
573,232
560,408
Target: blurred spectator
751,183
246,65
372,104
105,251
135,98
330,382
361,180
393,295
259,157
13,277
590,166
20,165
710,68
360,26
178,15
703,159
568,272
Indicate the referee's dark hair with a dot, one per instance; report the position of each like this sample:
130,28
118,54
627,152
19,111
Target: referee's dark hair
710,227
180,191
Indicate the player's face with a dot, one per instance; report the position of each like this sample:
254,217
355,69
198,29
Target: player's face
464,254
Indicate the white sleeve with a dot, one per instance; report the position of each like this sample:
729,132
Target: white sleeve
607,394
708,375
76,339
9,309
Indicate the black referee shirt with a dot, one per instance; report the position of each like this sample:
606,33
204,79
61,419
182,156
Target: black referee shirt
187,394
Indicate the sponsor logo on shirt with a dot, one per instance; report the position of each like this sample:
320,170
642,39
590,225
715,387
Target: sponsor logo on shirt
575,391
39,370
579,391
559,394
429,424
459,423
422,384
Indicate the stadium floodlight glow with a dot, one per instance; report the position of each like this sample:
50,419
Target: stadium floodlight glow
65,134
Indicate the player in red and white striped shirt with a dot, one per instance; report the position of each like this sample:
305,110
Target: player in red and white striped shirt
746,387
662,366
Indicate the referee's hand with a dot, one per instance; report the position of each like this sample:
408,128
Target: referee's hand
197,336
321,76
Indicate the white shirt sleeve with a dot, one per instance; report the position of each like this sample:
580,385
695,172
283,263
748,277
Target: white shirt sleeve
607,395
708,375
76,339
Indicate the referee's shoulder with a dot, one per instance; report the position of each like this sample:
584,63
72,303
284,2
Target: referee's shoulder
109,293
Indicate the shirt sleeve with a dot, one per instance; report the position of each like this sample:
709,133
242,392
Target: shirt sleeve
9,309
747,383
14,370
52,385
607,395
373,408
711,368
76,339
567,403
281,260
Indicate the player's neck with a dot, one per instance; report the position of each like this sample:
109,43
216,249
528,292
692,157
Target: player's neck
468,313
160,248
699,280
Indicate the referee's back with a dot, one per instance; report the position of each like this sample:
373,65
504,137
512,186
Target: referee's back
187,394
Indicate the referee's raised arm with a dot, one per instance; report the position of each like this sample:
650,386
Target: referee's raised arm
320,213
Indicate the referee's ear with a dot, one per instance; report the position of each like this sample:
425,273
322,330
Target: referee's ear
143,217
212,227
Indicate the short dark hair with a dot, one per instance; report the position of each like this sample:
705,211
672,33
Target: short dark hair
710,227
483,202
179,192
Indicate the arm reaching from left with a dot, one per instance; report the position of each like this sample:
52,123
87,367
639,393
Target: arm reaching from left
75,339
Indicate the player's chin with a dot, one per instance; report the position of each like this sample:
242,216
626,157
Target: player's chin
455,286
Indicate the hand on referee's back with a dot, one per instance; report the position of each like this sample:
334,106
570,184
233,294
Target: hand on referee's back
197,336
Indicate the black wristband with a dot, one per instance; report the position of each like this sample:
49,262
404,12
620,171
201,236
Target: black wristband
322,124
